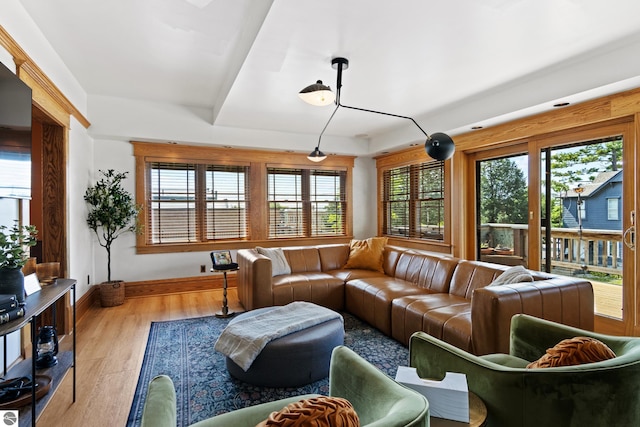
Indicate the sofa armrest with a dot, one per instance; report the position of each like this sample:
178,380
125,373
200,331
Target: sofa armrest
564,300
160,405
254,280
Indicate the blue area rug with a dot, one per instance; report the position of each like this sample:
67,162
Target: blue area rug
183,350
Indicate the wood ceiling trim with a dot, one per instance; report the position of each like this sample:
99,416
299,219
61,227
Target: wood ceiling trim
38,81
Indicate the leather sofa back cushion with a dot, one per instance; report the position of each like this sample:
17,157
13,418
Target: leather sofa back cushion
431,272
333,257
303,259
471,275
321,411
574,351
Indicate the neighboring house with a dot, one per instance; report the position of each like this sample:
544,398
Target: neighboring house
599,209
600,206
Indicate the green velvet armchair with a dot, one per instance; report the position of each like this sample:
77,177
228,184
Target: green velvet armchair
378,400
605,393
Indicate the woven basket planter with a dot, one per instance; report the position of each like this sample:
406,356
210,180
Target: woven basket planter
112,293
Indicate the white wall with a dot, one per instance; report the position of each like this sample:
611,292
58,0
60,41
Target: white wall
79,237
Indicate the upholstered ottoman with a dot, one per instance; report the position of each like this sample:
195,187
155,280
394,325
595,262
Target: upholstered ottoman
293,360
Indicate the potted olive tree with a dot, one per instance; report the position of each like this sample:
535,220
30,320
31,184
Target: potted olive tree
14,253
112,212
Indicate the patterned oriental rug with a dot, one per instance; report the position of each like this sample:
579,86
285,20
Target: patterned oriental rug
183,350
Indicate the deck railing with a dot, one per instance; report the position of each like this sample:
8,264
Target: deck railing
571,248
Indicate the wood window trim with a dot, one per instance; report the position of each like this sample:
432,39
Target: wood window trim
408,157
258,160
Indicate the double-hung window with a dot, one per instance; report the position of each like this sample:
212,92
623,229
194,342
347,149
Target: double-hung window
198,198
193,202
306,202
413,201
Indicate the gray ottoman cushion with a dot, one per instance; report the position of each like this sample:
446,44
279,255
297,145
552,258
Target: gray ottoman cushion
293,360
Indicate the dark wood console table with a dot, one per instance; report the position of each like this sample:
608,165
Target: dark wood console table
36,304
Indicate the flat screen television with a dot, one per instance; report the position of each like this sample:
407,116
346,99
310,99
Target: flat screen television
15,136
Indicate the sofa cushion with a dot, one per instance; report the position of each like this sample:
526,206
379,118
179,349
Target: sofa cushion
408,312
333,257
471,275
316,287
429,271
505,360
303,259
279,263
352,274
367,254
370,298
322,411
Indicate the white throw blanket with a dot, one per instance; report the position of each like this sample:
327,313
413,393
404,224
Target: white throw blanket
242,341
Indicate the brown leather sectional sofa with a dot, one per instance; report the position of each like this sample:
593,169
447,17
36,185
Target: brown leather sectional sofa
444,296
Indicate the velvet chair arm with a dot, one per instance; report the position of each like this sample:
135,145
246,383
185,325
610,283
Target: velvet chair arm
378,400
499,387
531,337
160,405
593,394
251,415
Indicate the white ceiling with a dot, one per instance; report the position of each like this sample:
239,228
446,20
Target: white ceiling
450,65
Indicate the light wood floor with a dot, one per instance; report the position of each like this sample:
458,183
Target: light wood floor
110,347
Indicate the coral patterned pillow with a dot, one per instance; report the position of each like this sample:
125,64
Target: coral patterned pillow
322,411
574,351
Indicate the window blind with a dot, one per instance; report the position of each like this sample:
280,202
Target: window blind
285,202
172,203
227,198
413,201
306,202
196,202
327,198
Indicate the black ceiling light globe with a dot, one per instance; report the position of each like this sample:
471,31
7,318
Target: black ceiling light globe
439,146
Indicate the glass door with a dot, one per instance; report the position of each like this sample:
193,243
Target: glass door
582,217
502,210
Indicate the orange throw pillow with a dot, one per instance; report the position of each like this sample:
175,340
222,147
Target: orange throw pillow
574,351
322,411
367,254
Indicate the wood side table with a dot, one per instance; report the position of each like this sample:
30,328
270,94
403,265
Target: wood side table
477,415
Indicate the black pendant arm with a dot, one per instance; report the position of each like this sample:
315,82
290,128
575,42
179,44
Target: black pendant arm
327,124
383,113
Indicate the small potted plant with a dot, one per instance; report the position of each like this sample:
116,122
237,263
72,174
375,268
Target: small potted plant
112,212
14,253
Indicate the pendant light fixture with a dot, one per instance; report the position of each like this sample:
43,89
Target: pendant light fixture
438,146
317,94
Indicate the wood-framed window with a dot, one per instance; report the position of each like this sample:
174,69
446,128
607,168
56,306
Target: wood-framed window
306,202
200,198
191,202
413,201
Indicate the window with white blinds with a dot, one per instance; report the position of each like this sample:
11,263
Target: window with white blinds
306,202
413,201
328,202
190,202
